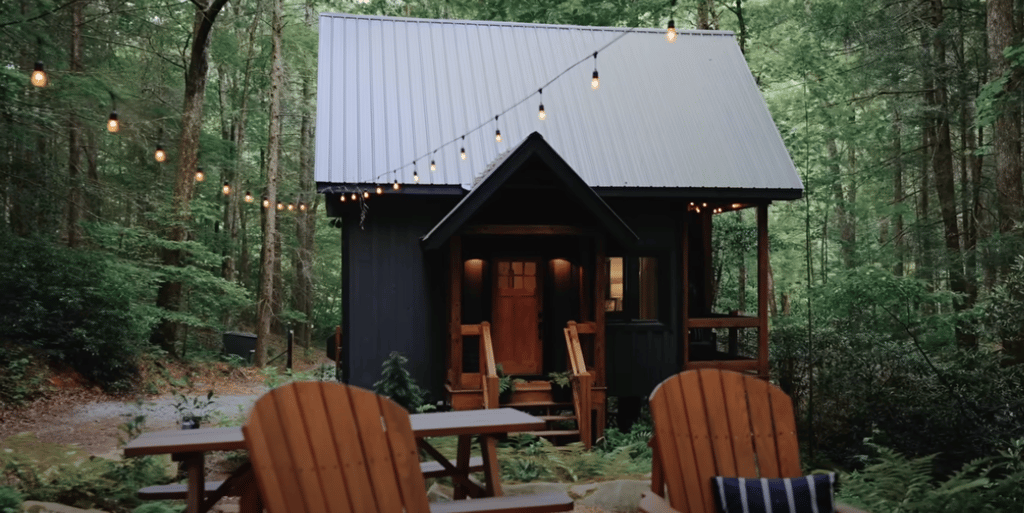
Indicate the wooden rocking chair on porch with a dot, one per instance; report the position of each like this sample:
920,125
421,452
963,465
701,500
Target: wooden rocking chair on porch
710,423
328,447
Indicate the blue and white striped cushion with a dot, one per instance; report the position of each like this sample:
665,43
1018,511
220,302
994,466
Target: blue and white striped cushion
808,494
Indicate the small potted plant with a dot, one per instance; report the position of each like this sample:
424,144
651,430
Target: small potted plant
506,385
193,410
561,386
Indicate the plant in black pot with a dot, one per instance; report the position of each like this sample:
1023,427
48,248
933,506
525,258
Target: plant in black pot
561,386
506,385
193,410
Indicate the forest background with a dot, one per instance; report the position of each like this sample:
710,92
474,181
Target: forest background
898,281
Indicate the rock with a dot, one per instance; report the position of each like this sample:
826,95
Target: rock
580,491
51,507
534,488
622,495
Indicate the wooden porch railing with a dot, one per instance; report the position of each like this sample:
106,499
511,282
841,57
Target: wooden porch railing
582,380
488,369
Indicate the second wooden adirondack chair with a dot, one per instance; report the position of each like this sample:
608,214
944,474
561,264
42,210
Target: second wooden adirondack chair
328,448
710,423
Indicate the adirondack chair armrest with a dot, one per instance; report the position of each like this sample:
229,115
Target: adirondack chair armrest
539,503
651,502
843,508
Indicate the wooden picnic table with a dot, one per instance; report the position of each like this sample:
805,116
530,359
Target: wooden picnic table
190,445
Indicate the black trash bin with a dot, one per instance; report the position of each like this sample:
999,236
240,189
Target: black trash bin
241,344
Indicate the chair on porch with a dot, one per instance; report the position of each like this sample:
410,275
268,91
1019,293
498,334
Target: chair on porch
710,423
322,447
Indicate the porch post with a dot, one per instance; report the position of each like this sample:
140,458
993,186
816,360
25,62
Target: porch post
762,290
455,269
600,285
685,317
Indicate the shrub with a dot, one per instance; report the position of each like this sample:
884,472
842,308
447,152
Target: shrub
10,500
80,308
398,384
21,377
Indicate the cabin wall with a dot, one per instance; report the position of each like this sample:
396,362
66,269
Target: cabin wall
394,294
642,353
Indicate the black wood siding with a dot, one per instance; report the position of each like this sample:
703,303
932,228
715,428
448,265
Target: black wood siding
395,294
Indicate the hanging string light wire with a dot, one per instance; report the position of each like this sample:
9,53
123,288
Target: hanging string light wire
462,150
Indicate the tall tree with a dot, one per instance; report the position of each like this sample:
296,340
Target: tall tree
269,254
169,294
1006,143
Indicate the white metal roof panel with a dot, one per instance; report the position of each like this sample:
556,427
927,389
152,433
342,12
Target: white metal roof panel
680,115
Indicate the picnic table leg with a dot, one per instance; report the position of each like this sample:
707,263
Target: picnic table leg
492,474
462,463
195,469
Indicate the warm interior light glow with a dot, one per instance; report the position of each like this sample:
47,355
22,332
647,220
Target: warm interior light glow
671,33
112,123
159,154
595,82
38,75
541,114
200,175
226,189
248,197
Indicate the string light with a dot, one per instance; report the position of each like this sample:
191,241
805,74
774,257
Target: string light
39,75
248,197
302,206
342,197
541,115
366,194
595,82
266,202
433,166
226,189
354,197
280,205
395,185
113,125
671,33
159,154
415,175
463,151
291,207
200,175
497,132
380,190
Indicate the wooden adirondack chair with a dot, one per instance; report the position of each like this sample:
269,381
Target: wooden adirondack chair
711,422
327,447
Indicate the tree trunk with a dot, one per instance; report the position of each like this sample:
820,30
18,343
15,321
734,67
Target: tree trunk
169,294
269,256
75,204
305,220
899,242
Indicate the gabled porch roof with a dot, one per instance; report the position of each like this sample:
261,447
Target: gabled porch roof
504,168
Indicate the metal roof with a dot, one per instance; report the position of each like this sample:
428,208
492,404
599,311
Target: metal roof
684,115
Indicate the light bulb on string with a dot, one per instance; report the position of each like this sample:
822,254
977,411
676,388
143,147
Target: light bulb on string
200,175
595,82
462,152
497,131
415,175
302,206
39,75
541,115
113,125
395,185
354,196
380,190
291,207
670,34
159,155
366,194
226,188
280,206
266,202
341,197
248,197
433,166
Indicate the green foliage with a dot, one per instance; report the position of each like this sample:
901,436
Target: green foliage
158,507
79,308
10,500
398,384
22,375
193,410
83,483
892,482
999,313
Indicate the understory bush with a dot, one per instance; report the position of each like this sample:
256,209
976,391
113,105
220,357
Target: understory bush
397,384
22,375
891,482
78,307
10,500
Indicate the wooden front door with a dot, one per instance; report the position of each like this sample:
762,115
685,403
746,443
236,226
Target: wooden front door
517,315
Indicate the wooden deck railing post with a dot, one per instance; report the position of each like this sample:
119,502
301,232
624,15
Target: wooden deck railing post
488,368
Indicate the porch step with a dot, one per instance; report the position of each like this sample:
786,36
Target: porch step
556,418
538,404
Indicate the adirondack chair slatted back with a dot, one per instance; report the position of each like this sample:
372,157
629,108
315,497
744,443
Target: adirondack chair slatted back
711,422
330,448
